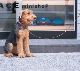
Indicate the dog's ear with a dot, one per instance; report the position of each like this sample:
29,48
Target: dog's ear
27,12
20,14
30,11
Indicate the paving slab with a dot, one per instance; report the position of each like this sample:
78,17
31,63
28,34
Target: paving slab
42,62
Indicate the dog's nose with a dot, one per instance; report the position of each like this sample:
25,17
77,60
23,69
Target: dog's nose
34,17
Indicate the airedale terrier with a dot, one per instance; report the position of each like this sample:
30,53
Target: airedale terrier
18,39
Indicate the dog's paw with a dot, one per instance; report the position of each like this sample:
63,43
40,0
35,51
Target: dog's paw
29,55
21,55
8,54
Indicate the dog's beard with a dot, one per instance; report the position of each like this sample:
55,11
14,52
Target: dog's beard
30,22
26,22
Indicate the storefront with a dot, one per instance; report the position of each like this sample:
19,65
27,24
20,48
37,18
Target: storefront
60,15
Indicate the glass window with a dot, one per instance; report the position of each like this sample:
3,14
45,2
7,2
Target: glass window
7,15
60,12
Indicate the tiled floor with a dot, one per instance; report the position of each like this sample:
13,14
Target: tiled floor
42,62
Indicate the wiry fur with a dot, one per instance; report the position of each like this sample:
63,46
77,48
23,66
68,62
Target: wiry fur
18,39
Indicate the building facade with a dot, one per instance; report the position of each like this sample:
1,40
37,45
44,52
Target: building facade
8,19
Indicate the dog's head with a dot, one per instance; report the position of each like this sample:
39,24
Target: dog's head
27,16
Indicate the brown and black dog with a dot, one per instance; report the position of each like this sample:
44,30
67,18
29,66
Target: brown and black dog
18,39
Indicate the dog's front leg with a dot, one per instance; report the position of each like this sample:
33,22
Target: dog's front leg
20,45
26,47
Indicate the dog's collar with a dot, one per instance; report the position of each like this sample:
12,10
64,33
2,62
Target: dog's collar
25,27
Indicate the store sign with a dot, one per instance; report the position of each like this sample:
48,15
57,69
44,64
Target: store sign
35,6
9,5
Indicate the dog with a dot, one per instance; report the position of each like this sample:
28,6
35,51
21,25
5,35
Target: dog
17,42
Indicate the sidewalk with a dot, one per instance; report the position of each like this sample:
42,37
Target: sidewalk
50,45
42,62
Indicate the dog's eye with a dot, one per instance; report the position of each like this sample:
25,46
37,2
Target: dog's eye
28,13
